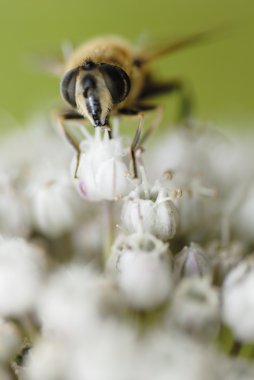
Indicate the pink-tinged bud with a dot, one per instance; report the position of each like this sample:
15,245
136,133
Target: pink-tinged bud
192,261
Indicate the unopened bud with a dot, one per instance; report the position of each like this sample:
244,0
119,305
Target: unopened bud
142,267
192,261
238,300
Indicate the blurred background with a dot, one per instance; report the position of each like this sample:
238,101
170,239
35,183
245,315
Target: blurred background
221,71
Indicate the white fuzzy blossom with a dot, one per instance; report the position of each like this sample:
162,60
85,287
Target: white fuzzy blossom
225,257
142,267
151,209
14,214
195,307
238,300
55,206
48,360
10,338
73,300
75,307
243,216
100,171
21,270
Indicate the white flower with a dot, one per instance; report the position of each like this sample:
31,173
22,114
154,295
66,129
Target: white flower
173,355
243,218
5,373
100,172
10,339
182,150
195,307
197,205
74,300
192,261
21,269
55,205
112,354
225,257
143,270
14,215
238,300
150,209
48,359
237,369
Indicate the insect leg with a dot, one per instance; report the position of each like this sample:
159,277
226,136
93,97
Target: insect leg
62,118
153,126
135,144
141,108
62,128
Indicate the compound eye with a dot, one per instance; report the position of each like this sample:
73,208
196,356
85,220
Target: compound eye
117,81
68,85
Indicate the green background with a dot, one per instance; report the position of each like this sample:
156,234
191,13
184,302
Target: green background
221,72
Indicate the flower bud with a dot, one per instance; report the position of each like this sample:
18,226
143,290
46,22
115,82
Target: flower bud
55,207
48,360
21,269
150,210
195,307
238,300
14,215
10,340
191,261
100,172
142,267
243,218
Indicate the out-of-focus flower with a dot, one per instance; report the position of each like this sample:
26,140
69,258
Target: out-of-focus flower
10,339
192,261
164,353
25,148
14,214
5,373
195,307
100,172
142,267
114,349
48,359
55,206
237,369
238,300
182,151
21,269
150,209
243,217
198,204
225,257
75,302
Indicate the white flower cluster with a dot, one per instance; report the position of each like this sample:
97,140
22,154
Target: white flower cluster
106,277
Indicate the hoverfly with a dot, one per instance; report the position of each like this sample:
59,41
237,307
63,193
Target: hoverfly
107,77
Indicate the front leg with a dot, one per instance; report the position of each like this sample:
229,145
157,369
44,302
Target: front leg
139,139
62,119
64,131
